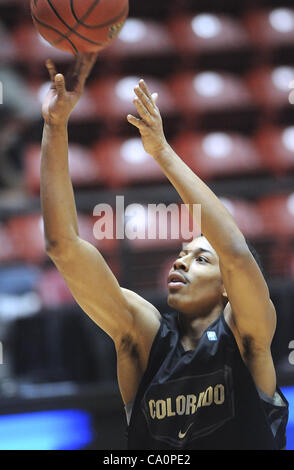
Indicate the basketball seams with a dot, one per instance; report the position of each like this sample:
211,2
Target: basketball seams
103,25
72,30
56,31
79,22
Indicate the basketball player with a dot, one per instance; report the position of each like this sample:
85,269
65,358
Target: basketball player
202,377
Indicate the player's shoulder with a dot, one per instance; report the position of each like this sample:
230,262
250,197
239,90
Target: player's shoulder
145,314
137,302
146,320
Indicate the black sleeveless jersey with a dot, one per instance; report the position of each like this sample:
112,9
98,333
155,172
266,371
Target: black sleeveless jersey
203,398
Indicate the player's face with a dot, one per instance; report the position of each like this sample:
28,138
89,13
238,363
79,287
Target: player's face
194,282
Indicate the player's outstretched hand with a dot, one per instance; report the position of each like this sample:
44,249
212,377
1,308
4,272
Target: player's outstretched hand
149,122
64,94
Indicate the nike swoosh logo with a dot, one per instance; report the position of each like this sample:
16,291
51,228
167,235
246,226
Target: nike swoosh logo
183,434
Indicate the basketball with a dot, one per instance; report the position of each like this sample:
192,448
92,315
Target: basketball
79,26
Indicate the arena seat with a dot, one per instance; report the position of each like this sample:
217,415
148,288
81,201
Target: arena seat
206,33
84,168
26,237
140,38
124,162
276,148
52,289
270,87
247,217
159,226
277,212
113,96
209,91
270,28
7,250
32,48
88,231
218,154
26,233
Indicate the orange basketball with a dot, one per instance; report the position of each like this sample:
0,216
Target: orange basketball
79,25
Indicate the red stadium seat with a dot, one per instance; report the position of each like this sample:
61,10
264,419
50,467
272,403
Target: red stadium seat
218,154
247,217
124,162
278,215
271,28
206,33
113,96
53,290
276,148
26,234
159,226
209,91
24,238
140,38
7,249
88,229
31,47
84,168
271,87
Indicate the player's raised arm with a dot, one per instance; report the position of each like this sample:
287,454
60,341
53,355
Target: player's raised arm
57,199
86,273
253,311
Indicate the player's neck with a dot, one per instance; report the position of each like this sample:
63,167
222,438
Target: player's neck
192,327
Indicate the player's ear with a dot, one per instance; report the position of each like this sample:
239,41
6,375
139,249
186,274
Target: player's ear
224,294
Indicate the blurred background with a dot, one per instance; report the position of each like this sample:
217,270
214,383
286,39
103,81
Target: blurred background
223,71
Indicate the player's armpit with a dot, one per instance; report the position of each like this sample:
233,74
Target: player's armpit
146,317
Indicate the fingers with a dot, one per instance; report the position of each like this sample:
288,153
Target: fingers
57,79
51,69
83,66
60,85
146,99
142,111
146,106
136,122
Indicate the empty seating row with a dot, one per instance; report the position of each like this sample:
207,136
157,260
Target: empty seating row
188,94
121,162
185,33
144,226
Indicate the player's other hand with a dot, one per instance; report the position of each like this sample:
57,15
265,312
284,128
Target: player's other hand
149,122
65,93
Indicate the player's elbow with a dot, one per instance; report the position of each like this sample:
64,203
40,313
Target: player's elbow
52,248
57,249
